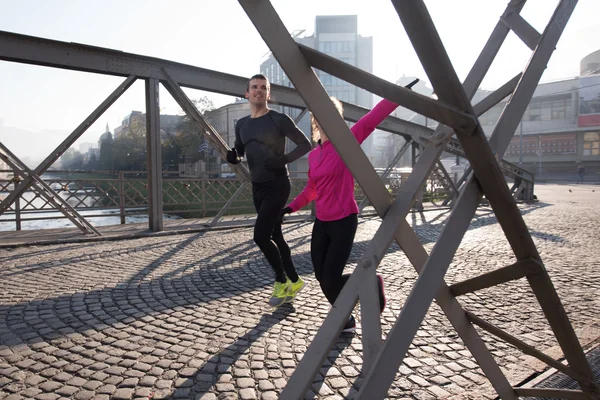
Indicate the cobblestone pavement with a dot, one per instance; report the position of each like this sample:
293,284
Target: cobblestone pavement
185,316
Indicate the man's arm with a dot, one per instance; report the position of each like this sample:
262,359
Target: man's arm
239,145
291,131
235,155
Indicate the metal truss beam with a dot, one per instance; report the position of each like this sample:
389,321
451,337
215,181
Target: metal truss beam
52,53
553,393
404,97
228,204
206,129
361,285
527,349
79,57
518,270
72,138
264,18
522,29
428,46
395,161
46,191
155,189
447,178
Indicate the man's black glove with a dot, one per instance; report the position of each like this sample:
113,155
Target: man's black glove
276,162
286,210
232,157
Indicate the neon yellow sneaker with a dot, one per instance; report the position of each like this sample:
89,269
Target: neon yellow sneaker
279,295
293,289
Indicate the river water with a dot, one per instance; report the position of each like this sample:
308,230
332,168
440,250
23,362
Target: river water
107,216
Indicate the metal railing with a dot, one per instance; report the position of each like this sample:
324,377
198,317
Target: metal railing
125,193
122,194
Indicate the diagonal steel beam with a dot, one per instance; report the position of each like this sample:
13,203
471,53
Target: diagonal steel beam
544,393
397,158
525,348
72,138
228,204
496,96
522,29
206,129
430,49
518,270
447,177
301,115
79,57
263,16
46,192
75,56
416,102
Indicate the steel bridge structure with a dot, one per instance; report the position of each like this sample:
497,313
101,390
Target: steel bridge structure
459,133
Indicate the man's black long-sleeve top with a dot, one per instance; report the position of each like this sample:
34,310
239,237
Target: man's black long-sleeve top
262,141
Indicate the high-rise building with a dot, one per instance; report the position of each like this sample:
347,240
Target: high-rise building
337,36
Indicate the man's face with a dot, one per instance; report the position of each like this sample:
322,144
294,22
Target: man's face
259,91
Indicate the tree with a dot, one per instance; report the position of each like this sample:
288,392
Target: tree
93,161
129,148
171,152
188,138
106,158
204,104
71,159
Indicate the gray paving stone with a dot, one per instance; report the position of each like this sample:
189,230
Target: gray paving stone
248,394
84,395
186,329
123,394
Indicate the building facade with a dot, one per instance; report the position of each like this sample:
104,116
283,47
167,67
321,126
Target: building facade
560,129
223,119
336,36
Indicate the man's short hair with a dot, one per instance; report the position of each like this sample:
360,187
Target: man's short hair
257,76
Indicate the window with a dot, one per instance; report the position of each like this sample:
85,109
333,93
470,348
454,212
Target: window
558,144
548,110
545,111
351,97
535,112
559,109
591,144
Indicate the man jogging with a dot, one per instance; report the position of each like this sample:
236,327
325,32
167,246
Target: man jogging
260,137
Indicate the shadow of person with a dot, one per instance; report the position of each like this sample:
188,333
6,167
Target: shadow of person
328,368
207,376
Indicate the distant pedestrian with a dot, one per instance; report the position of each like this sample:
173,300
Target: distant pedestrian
580,173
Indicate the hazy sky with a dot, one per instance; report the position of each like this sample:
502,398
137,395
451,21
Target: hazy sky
218,35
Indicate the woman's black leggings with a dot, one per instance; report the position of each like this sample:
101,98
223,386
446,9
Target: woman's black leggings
330,249
269,198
